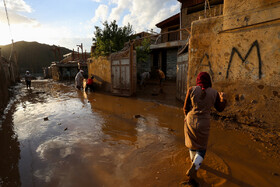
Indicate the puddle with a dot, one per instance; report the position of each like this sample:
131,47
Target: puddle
96,140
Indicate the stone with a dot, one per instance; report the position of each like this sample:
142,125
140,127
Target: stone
261,86
236,97
275,174
46,119
137,116
254,101
171,130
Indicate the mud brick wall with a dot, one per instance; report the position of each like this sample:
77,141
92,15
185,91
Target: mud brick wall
8,76
101,69
171,63
241,52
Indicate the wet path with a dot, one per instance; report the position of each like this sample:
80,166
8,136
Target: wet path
101,140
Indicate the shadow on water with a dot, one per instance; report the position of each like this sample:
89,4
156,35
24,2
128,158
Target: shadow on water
229,178
9,153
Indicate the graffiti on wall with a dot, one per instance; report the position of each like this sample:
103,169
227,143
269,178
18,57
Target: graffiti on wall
207,65
235,50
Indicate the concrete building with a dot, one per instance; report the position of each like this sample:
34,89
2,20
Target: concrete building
165,48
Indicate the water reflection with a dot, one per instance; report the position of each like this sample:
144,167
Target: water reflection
9,153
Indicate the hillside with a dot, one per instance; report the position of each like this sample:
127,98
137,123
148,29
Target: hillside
32,56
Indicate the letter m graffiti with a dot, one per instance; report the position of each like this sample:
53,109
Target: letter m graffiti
234,50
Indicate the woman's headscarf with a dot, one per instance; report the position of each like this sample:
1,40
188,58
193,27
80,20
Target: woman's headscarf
203,80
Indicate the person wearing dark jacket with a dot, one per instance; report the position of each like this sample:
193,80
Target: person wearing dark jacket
28,78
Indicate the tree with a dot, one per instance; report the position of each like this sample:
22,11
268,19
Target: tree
111,38
143,51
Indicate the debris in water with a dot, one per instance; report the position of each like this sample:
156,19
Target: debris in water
275,174
46,119
66,129
253,101
171,130
59,124
137,116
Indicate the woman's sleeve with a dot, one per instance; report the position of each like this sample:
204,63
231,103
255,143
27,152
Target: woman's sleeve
220,106
187,105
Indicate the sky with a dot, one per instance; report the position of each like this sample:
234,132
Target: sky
68,23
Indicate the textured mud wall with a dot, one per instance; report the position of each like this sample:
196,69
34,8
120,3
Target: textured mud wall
242,55
8,76
101,69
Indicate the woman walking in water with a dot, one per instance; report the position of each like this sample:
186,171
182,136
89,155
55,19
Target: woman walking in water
198,103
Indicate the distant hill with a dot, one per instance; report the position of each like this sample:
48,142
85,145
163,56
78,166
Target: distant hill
33,56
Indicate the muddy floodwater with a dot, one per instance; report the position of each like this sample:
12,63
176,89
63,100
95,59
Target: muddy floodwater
54,135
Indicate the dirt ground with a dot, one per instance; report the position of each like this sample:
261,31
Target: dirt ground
55,135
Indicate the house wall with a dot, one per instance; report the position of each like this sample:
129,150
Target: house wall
165,37
171,58
242,56
55,73
101,69
8,76
188,18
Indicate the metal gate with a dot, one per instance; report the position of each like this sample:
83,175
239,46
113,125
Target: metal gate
123,73
182,74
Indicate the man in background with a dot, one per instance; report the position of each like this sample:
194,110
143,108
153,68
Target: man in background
161,76
79,79
28,78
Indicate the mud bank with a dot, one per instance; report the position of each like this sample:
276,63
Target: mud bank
55,135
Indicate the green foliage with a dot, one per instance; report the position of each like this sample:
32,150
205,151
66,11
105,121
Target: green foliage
111,38
143,51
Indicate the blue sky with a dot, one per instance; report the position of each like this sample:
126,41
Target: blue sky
70,22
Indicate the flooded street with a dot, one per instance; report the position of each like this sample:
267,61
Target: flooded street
54,135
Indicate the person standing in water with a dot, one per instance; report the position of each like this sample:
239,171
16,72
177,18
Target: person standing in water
198,103
28,78
79,79
90,84
161,76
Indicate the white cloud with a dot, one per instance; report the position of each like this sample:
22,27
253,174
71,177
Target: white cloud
97,1
17,6
175,8
101,13
14,8
16,18
141,14
145,14
118,11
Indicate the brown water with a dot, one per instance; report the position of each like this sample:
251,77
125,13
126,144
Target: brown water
97,140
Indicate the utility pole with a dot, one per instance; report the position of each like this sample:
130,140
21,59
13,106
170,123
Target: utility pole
81,46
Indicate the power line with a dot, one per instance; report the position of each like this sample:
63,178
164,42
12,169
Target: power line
7,15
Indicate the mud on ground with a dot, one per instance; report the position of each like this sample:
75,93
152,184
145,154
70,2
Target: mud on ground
55,135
